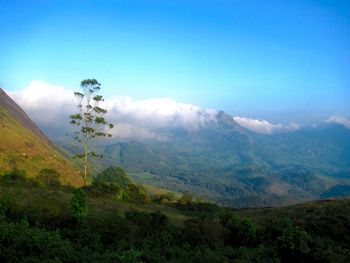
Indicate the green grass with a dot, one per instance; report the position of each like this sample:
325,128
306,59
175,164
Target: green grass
21,148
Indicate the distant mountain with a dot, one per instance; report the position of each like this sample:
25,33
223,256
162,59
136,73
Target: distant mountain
25,146
226,163
187,148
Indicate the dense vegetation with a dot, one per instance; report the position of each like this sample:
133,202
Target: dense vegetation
114,220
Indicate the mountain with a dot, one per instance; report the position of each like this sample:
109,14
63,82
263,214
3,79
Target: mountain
17,113
25,146
225,163
206,152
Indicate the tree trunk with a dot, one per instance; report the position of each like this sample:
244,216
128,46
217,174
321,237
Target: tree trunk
85,164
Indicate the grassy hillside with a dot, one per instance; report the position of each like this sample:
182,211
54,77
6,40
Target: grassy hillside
21,148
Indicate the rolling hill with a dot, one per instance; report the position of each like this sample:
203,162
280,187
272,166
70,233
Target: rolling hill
24,146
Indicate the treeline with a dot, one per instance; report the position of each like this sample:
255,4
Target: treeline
49,231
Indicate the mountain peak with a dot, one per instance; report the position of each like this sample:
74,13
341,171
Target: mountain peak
227,121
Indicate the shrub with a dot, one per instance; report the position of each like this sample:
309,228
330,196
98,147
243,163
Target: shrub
114,175
204,231
79,205
186,199
9,206
137,194
16,175
48,177
105,189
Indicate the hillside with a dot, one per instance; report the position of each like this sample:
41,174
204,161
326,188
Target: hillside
37,224
24,146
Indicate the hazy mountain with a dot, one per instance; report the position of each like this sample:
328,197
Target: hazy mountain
224,162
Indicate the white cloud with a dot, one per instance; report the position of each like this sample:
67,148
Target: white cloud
47,104
264,127
339,120
158,113
50,106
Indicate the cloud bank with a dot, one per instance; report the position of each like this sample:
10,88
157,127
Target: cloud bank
264,127
51,105
48,105
339,120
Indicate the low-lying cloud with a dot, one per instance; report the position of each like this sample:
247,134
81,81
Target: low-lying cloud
51,105
339,120
264,127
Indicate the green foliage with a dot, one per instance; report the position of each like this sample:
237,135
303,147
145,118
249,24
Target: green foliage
293,243
48,177
136,194
106,189
240,231
16,175
19,242
79,205
164,199
36,226
114,175
9,205
114,182
204,231
186,198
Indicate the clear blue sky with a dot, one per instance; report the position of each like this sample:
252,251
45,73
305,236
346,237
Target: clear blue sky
284,60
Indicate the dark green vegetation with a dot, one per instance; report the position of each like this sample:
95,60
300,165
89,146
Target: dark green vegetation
106,222
227,164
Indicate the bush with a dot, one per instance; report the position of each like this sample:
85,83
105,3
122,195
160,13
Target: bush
48,177
9,206
114,175
79,205
16,175
21,243
186,199
240,231
137,194
105,189
204,231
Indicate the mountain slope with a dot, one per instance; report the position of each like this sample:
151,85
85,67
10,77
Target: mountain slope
223,162
24,145
17,113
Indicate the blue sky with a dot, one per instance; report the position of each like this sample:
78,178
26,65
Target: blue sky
277,60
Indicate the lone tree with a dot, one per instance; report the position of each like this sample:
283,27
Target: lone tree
89,121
